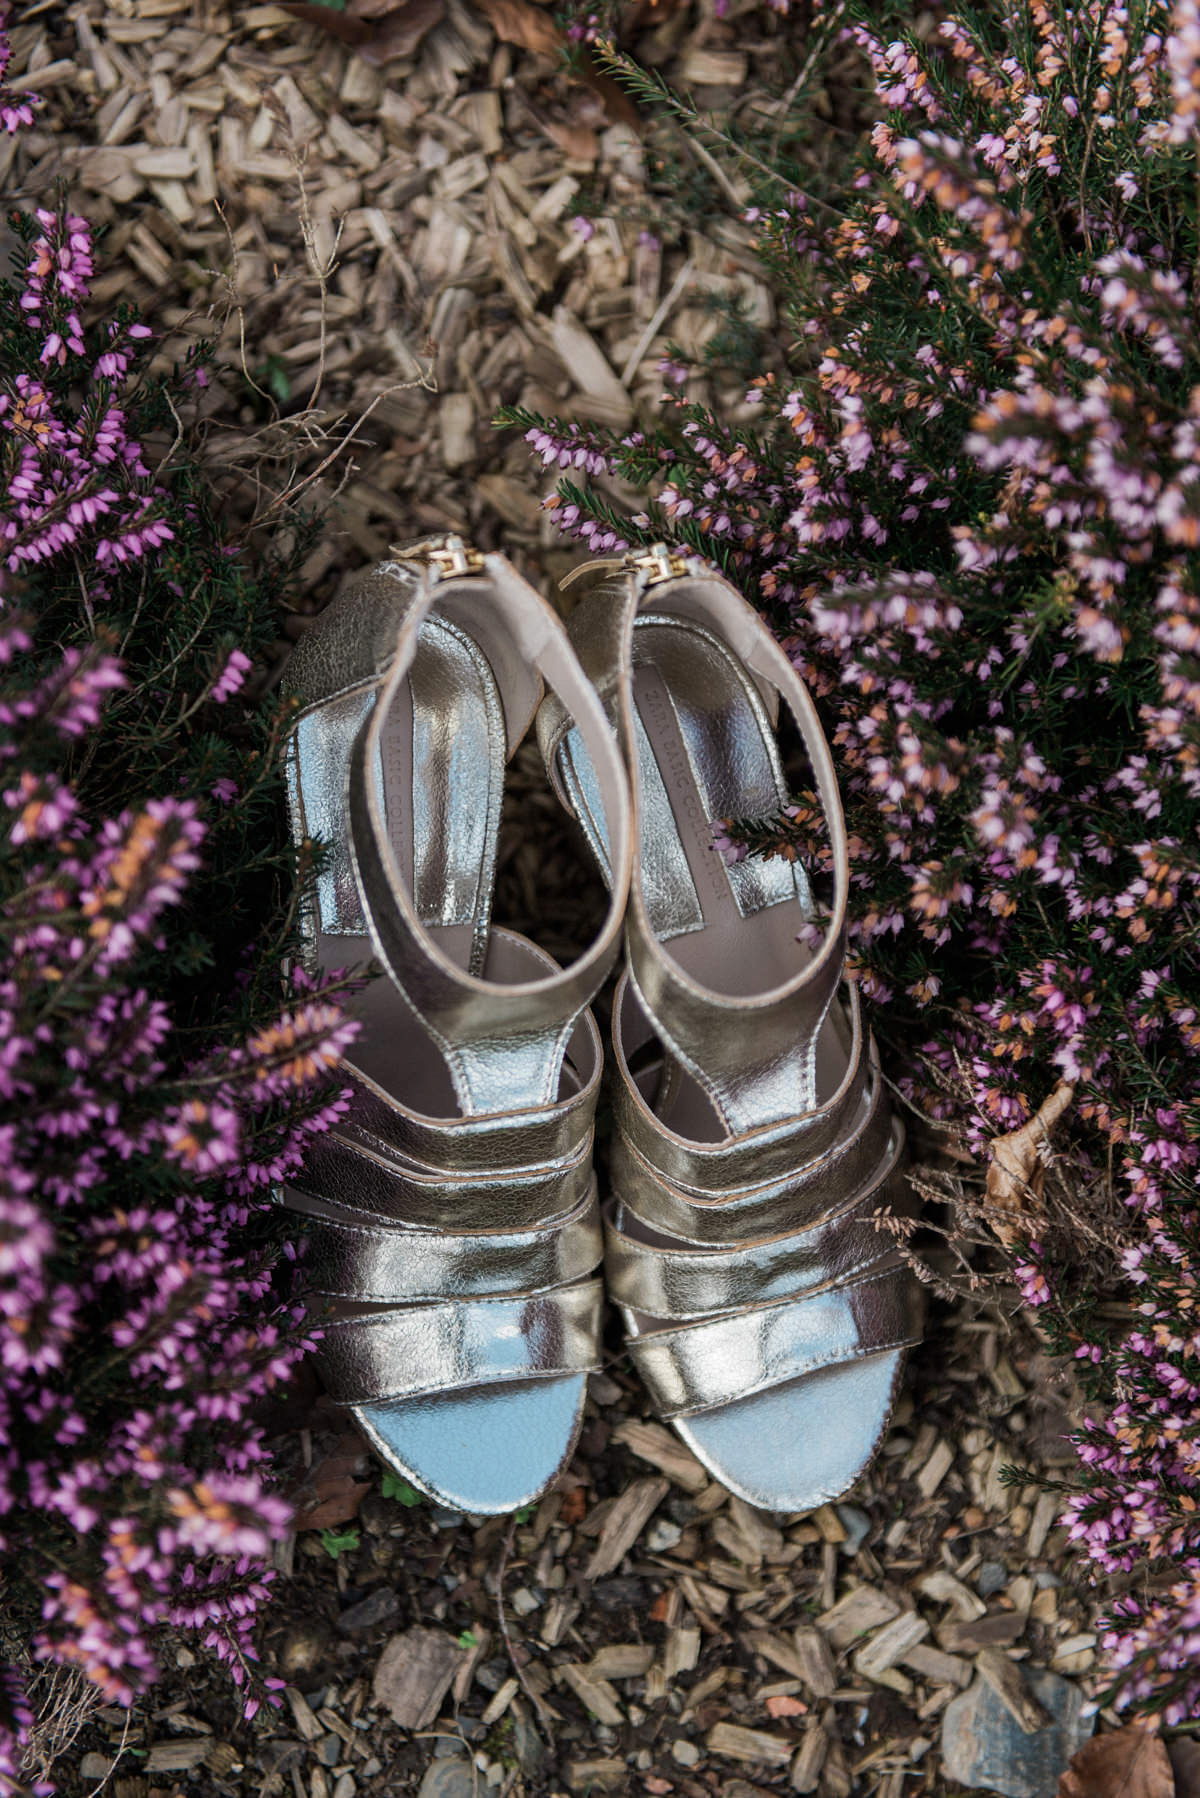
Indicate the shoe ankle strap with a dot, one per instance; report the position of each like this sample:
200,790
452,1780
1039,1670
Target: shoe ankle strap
747,1053
503,1043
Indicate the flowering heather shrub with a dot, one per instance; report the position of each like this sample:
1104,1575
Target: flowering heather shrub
156,1073
972,508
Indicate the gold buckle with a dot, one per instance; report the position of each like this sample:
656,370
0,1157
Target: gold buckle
445,556
658,563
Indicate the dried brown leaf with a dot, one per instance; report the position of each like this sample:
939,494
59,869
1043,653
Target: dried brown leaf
615,101
399,29
1184,1753
578,142
340,24
520,22
574,1506
1125,1763
377,28
329,1493
1016,1173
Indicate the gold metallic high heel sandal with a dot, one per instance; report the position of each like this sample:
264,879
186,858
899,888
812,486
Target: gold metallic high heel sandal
767,1317
452,1214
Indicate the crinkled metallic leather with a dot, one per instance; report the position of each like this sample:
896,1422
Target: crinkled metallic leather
667,1280
685,1240
696,1367
408,1352
746,1213
360,1260
749,1054
380,1187
772,1151
476,1231
496,1038
477,1146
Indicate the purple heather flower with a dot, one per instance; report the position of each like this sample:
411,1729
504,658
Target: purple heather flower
231,677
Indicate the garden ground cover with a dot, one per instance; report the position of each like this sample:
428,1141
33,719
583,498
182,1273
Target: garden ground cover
234,159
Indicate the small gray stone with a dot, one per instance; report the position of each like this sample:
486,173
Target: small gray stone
984,1746
446,1747
442,1518
857,1526
345,1787
329,1750
990,1578
448,1779
686,1753
379,1606
95,1766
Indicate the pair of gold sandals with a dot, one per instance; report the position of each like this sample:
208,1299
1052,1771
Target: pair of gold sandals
456,1233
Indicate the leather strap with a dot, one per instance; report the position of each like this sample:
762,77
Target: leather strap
773,1151
349,1175
754,1056
674,1281
418,1349
352,1259
480,1146
498,1040
753,1213
700,1366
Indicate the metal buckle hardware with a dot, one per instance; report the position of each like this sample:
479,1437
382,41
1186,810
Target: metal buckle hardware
444,556
658,563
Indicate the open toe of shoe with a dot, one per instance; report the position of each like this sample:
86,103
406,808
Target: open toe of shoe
802,1444
486,1451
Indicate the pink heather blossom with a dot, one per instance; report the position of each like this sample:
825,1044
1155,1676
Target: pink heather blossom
231,677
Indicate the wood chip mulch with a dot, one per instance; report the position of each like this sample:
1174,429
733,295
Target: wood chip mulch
641,1630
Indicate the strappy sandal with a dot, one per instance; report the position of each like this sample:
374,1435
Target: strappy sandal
452,1213
767,1317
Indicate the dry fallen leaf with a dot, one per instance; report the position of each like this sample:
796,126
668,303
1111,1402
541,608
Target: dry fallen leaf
1184,1753
1015,1173
519,22
575,141
1125,1763
531,28
329,1493
574,1505
376,28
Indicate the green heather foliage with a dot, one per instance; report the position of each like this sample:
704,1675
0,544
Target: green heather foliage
158,1072
970,503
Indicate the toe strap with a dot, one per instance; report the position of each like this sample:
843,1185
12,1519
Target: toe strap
359,1258
698,1366
416,1349
666,1280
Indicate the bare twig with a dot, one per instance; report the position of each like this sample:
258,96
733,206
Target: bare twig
534,1698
